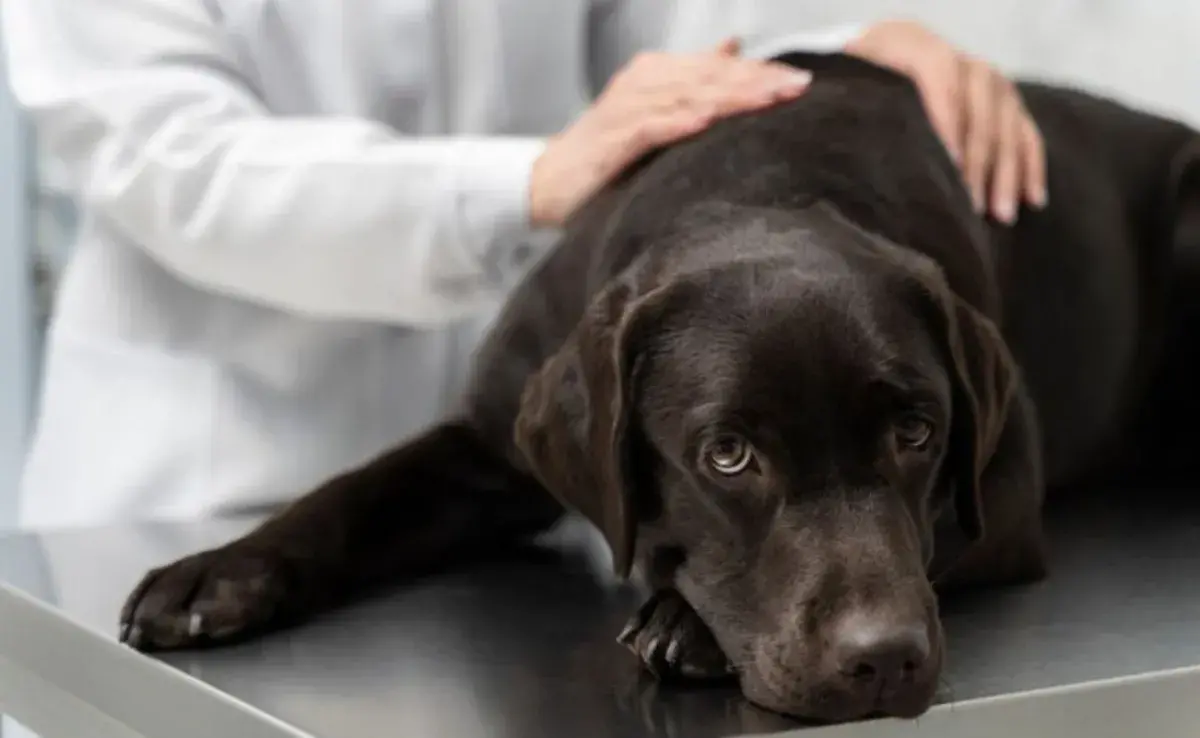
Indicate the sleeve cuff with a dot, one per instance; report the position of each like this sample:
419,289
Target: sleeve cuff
493,205
822,41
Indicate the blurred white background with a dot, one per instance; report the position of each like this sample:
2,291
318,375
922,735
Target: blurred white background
1143,51
1146,52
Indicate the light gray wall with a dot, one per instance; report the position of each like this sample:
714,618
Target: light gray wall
17,365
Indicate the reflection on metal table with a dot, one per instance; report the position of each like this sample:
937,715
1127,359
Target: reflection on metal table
524,646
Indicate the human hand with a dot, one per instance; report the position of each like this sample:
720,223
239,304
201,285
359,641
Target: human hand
655,100
977,112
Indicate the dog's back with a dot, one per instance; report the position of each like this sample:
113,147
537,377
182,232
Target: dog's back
1086,282
1078,288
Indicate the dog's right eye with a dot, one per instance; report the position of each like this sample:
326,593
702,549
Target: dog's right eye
914,432
729,455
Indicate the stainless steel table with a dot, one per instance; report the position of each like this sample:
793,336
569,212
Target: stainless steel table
523,647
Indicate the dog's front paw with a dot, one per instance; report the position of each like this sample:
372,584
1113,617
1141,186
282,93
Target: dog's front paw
208,599
671,640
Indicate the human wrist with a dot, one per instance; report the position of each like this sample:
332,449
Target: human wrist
545,210
883,43
491,191
560,179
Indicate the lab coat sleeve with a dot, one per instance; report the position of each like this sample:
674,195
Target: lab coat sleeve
619,29
170,148
820,41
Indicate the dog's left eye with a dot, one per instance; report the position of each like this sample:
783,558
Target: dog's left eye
913,432
729,455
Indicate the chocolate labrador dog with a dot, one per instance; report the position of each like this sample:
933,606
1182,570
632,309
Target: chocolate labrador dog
792,376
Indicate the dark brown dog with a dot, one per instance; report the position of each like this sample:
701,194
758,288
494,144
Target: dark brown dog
786,369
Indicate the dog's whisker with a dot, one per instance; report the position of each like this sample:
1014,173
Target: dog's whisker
945,691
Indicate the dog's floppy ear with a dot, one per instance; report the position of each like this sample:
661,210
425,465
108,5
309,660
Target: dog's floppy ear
574,423
984,378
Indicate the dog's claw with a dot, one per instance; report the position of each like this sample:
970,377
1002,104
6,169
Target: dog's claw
625,637
671,641
672,654
206,599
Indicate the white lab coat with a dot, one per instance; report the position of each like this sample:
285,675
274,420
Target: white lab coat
297,216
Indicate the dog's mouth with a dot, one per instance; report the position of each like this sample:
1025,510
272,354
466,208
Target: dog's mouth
878,671
836,706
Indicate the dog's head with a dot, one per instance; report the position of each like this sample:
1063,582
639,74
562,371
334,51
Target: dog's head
781,430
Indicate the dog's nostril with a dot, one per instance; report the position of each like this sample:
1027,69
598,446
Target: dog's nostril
869,650
864,672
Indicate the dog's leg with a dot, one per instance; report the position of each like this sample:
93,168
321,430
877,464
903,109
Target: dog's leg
443,498
666,634
1013,547
672,642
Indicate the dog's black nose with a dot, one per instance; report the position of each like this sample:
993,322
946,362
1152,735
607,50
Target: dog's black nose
876,650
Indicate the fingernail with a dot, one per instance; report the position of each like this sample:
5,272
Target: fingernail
802,76
1005,211
1039,198
795,81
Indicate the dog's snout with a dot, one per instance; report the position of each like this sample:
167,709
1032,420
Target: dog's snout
874,651
882,659
886,662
